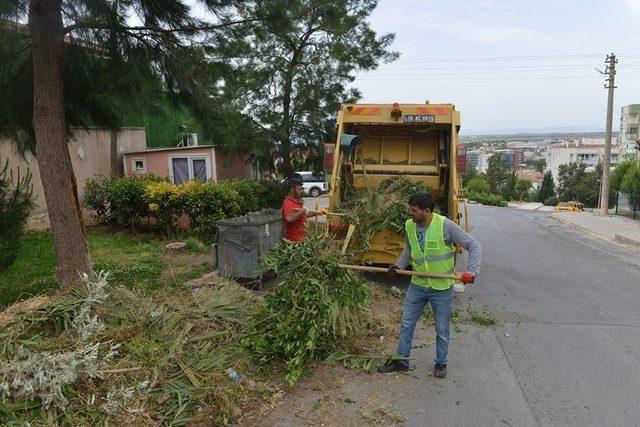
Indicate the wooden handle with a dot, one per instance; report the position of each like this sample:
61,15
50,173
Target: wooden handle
401,272
328,213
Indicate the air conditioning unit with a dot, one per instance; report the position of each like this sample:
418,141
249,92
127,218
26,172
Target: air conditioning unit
191,139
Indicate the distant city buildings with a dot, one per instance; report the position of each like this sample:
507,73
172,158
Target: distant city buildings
557,150
479,159
629,124
587,151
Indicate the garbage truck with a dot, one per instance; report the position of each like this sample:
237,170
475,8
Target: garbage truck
380,141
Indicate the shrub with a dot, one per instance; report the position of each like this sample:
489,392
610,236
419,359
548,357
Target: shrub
246,190
631,186
162,199
207,203
16,200
532,196
270,194
96,198
126,201
551,201
478,185
487,199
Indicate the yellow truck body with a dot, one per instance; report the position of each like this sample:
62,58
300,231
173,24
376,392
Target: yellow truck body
418,141
570,207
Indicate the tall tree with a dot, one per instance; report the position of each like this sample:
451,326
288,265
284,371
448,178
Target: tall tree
617,175
169,45
575,183
547,189
298,62
509,189
569,178
498,172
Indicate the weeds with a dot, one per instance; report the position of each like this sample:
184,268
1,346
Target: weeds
482,317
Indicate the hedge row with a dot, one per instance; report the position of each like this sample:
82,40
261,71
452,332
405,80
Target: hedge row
127,200
485,198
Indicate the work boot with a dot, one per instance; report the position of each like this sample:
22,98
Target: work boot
392,367
440,370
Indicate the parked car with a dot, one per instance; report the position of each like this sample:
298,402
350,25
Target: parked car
314,183
570,206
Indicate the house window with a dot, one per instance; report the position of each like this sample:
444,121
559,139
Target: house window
139,166
188,168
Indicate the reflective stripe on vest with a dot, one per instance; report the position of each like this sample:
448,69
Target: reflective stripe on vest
434,257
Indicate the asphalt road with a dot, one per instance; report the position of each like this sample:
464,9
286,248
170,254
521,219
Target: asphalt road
570,305
565,351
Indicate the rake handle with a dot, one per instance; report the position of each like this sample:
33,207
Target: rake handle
401,272
328,213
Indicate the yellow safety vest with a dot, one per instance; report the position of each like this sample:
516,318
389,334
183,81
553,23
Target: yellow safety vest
436,257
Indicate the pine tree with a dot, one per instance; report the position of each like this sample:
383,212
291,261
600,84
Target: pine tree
298,61
547,189
85,64
16,200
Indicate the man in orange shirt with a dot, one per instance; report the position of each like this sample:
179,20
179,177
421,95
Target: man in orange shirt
294,214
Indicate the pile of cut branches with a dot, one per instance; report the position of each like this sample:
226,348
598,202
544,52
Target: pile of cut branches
109,355
314,306
372,210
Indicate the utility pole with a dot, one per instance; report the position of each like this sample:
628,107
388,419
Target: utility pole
610,72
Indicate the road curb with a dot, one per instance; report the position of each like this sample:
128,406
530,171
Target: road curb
618,238
584,229
627,240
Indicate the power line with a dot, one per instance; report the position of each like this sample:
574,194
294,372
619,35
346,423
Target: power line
517,68
477,78
505,58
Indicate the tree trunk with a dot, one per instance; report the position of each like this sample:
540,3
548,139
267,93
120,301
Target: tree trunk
52,150
285,125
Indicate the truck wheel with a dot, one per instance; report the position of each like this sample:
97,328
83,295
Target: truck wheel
314,192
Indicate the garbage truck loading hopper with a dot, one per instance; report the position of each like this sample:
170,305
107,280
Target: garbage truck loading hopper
380,141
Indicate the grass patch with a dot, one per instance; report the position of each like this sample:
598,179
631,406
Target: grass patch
196,246
479,316
132,260
33,271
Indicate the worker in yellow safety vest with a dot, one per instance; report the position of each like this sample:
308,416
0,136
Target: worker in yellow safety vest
430,247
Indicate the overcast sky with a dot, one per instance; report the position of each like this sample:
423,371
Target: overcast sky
509,64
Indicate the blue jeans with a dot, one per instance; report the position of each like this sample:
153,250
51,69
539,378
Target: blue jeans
414,304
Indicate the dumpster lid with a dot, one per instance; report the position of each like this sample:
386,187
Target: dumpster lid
255,218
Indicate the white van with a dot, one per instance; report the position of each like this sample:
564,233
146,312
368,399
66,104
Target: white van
314,183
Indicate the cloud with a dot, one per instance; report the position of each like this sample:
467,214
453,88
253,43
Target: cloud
479,30
478,27
632,5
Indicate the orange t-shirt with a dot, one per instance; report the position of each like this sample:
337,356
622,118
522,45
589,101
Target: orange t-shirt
294,231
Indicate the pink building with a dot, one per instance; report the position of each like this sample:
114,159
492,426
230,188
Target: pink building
180,164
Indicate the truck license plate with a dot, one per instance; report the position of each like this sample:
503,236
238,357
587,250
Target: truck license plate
422,118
